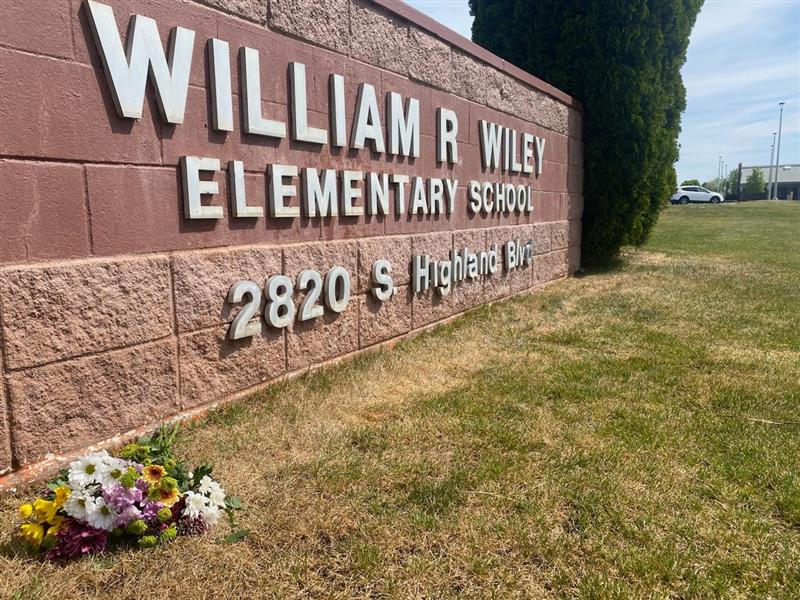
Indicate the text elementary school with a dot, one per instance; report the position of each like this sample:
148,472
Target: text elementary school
199,198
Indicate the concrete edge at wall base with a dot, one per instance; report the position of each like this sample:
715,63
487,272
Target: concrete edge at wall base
17,481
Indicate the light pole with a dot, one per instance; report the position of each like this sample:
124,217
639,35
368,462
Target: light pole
778,151
719,168
771,157
722,178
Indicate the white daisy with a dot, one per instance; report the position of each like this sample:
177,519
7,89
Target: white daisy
211,514
110,470
205,485
217,495
101,515
78,505
87,470
195,504
213,490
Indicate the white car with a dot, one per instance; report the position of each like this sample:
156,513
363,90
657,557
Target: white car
695,193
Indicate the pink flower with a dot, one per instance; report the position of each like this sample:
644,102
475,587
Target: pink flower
128,514
119,497
76,539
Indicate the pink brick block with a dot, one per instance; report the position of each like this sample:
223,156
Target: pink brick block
324,22
396,249
214,366
574,206
575,180
574,258
553,177
38,26
379,321
542,238
574,233
44,211
469,294
505,283
332,334
378,37
57,109
69,405
546,206
429,306
202,279
556,147
575,152
62,310
559,234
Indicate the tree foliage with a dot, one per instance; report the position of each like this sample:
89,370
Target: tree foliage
755,183
622,60
691,182
732,181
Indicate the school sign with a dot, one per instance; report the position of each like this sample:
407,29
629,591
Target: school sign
199,198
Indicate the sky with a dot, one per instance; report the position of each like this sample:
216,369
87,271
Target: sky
744,58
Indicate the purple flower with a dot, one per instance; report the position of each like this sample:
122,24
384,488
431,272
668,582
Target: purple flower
150,511
121,497
76,539
142,486
130,513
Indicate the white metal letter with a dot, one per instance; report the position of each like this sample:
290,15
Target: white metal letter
302,131
403,130
368,120
338,124
378,192
250,75
240,208
279,192
219,63
446,132
319,191
350,193
127,70
527,153
491,141
194,187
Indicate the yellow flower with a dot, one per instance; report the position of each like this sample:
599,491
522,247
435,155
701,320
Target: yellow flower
168,497
32,533
44,510
152,474
62,493
25,511
56,523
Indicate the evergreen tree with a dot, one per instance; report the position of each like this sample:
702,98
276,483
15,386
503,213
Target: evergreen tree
731,181
691,182
755,183
621,59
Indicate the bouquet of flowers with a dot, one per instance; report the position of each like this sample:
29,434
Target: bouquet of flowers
141,497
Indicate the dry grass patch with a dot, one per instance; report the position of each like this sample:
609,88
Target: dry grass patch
593,440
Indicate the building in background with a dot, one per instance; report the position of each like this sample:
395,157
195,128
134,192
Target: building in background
788,182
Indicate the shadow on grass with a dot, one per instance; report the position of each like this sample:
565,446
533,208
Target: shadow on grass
615,265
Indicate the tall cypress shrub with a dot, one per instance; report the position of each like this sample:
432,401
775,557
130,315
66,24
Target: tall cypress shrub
622,60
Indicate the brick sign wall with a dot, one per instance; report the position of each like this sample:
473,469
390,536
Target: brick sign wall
347,171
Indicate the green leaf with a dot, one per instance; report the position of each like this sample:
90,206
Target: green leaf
233,503
235,536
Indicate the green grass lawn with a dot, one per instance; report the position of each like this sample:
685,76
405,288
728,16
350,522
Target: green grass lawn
628,434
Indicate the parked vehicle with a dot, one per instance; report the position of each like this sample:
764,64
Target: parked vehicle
695,193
